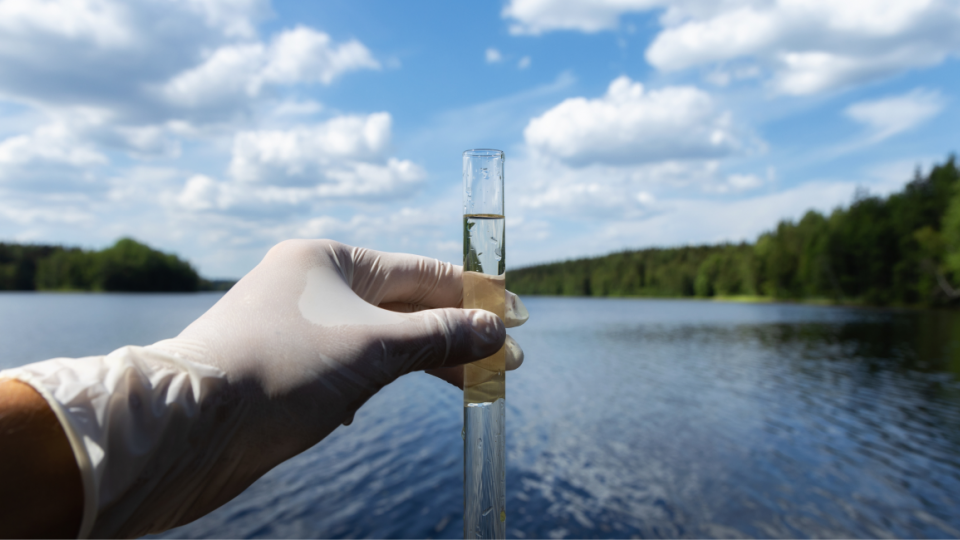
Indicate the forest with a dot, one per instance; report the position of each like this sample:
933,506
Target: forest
127,266
898,250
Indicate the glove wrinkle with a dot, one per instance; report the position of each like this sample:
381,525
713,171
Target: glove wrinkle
345,272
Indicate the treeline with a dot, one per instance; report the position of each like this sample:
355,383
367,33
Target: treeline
903,249
127,266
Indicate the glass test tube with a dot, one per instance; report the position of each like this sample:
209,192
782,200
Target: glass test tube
484,390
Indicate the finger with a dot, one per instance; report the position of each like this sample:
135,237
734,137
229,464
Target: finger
515,313
403,307
440,338
380,278
454,374
514,354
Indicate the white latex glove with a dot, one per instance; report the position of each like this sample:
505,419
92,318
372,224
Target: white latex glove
167,433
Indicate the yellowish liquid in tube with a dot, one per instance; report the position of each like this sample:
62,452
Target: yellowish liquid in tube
483,380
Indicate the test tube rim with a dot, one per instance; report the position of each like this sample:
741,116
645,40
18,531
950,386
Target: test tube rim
484,152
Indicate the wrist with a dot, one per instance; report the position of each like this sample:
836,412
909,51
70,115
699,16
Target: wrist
143,423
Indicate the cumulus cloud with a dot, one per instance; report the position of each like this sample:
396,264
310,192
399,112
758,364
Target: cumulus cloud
108,53
538,16
146,64
140,77
889,116
630,125
296,155
296,108
306,55
524,63
51,144
621,154
294,56
493,56
201,193
344,157
815,46
48,158
597,191
802,46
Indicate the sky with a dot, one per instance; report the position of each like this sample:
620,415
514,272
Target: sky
214,129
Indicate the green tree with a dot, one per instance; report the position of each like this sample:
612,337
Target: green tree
950,242
131,266
69,270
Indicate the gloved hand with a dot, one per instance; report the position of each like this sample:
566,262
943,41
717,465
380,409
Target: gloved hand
165,434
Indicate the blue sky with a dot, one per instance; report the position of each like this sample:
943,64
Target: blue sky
216,128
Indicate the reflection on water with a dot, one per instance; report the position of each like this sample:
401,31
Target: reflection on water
657,418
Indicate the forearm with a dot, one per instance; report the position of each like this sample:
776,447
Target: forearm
41,493
150,433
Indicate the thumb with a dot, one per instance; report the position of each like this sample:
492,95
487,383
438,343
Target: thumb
446,337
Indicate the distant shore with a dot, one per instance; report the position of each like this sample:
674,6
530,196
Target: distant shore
897,250
127,266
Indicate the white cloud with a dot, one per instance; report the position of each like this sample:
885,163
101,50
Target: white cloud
306,55
547,187
630,125
741,182
690,221
813,46
276,194
284,156
147,64
295,56
493,56
735,183
524,63
48,159
889,116
297,108
234,17
51,143
802,46
110,53
231,70
100,23
274,170
150,140
537,16
201,193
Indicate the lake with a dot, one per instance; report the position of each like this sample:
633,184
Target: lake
629,418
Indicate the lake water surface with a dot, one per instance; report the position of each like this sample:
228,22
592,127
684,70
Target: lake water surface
645,418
